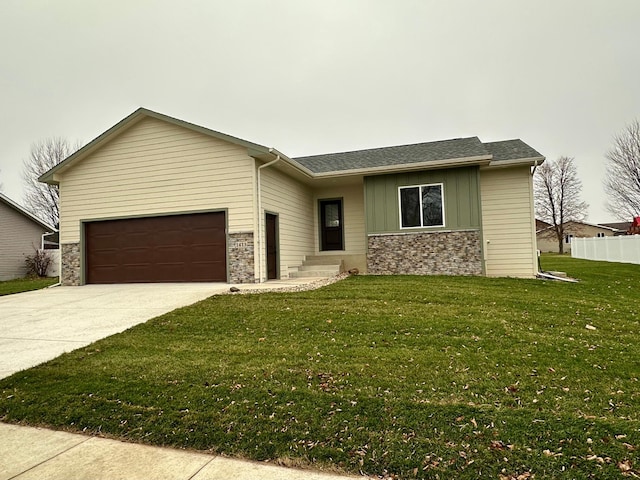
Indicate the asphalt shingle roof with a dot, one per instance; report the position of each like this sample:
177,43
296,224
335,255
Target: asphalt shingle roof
458,148
511,150
400,155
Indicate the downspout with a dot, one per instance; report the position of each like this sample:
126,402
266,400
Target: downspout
59,258
535,237
42,239
260,219
535,165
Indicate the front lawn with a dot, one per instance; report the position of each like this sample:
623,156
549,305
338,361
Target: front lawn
25,284
427,377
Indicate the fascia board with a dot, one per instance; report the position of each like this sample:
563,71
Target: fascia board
438,164
515,162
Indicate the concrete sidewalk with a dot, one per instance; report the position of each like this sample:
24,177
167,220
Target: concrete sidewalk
28,453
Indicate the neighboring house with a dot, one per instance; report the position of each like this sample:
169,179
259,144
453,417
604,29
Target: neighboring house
20,234
540,225
620,227
158,199
548,242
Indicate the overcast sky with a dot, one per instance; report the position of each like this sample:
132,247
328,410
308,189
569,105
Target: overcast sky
311,77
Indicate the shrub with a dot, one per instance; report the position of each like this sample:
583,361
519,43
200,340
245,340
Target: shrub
38,263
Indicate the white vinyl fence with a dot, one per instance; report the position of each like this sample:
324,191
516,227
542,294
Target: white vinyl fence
54,268
624,249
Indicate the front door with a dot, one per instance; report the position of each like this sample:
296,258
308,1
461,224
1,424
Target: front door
331,234
272,246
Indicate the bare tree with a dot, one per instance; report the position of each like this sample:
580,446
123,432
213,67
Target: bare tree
557,197
622,180
40,198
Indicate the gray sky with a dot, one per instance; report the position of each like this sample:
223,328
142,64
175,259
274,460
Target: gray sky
310,77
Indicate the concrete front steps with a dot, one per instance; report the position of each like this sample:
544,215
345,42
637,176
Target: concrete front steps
319,266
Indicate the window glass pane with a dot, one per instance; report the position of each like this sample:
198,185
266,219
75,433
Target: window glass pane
331,215
410,207
432,205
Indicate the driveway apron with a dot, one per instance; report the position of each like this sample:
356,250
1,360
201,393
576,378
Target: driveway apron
38,326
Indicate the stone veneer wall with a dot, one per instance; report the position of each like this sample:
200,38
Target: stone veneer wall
70,274
425,253
240,258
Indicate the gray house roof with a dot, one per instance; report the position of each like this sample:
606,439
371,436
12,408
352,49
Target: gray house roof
511,150
399,155
620,226
456,149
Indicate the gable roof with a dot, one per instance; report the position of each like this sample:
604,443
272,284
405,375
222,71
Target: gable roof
438,154
541,225
254,149
24,212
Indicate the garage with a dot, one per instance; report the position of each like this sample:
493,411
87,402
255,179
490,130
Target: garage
172,248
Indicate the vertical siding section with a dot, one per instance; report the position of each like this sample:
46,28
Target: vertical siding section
292,201
461,198
19,236
355,240
153,168
508,222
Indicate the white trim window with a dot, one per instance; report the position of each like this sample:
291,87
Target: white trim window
421,206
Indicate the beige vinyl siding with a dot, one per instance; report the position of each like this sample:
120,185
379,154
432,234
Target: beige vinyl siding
355,239
508,222
19,236
155,167
293,203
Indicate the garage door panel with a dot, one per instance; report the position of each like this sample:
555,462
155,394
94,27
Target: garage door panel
174,248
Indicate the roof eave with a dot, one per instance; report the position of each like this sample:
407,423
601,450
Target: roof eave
431,165
531,161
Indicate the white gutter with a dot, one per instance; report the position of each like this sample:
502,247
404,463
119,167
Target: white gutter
260,219
535,166
431,165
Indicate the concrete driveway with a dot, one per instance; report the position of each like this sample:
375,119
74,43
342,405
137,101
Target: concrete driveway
38,326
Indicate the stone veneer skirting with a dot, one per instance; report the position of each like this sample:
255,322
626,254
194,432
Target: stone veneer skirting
240,257
240,260
70,274
425,253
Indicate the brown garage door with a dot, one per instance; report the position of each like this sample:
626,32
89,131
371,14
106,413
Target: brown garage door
175,248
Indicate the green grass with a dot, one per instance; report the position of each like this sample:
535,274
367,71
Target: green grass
428,377
25,284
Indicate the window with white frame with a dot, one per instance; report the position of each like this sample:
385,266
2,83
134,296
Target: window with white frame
421,206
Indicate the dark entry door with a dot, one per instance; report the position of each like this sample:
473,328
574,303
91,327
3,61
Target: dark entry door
331,225
272,246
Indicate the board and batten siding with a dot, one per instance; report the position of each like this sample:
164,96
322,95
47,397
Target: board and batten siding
508,222
352,195
154,168
461,199
19,236
292,202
